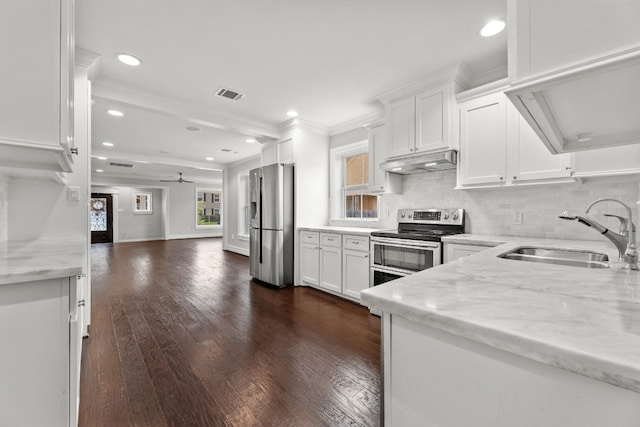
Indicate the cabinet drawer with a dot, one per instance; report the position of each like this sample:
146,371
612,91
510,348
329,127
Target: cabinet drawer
356,243
330,239
310,237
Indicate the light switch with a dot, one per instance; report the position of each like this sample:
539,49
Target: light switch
74,194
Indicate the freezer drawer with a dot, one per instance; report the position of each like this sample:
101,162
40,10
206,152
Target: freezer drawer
268,259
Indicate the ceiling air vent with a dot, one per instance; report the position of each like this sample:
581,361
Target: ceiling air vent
230,94
121,165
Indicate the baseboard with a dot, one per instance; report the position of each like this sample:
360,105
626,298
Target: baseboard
236,249
148,239
192,236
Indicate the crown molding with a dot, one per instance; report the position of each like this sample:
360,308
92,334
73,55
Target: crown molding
301,124
241,162
459,73
363,121
131,157
116,91
90,60
490,76
496,86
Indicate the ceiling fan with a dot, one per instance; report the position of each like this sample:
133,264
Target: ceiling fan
180,180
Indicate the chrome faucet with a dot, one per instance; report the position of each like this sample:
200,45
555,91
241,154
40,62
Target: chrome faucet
625,241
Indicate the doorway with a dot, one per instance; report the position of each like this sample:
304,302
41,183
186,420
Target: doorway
101,216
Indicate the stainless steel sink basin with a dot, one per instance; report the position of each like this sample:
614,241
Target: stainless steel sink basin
574,258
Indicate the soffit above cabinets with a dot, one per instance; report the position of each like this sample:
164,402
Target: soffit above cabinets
589,105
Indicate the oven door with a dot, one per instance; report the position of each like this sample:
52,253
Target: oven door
379,276
404,257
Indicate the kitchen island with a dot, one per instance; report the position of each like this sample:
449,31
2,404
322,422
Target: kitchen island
486,341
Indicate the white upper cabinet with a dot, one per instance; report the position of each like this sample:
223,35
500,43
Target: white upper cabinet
379,180
482,140
36,106
498,147
421,122
574,67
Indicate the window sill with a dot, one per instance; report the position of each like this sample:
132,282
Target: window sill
209,227
357,219
143,212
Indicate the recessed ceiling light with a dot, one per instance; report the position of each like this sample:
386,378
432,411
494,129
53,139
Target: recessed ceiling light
492,28
101,158
141,161
107,144
193,129
99,170
292,113
227,150
209,158
431,164
396,169
115,113
251,140
128,59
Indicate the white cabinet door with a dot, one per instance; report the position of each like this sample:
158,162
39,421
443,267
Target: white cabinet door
331,268
482,140
355,272
379,180
34,360
402,130
529,158
37,93
310,263
453,251
432,120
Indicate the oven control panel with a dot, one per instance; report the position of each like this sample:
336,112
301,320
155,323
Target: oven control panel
431,216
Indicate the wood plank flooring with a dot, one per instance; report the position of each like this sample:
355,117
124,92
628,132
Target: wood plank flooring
181,336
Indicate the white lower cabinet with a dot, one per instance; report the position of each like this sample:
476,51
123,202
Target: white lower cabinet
335,262
39,360
355,272
453,251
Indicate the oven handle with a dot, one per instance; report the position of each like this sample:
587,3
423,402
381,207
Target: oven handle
399,272
401,244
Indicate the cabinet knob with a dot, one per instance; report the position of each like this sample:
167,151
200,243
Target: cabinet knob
515,177
501,178
74,151
568,168
356,243
366,256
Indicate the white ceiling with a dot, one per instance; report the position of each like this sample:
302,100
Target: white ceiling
326,59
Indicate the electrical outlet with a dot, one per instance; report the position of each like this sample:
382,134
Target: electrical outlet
74,194
517,218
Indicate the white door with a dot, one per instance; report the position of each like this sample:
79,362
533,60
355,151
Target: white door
483,140
310,263
355,272
331,268
402,130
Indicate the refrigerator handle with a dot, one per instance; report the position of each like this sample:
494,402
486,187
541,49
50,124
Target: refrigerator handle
260,210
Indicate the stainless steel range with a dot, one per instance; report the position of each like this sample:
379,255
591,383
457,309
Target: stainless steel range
416,245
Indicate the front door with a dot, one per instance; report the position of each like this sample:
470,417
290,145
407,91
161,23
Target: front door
101,215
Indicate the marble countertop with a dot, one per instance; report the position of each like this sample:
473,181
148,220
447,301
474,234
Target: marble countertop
29,260
343,230
586,321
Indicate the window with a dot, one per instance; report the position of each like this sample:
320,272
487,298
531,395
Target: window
351,183
243,204
207,208
142,203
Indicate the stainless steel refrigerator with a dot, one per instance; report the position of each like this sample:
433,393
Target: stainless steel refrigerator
272,224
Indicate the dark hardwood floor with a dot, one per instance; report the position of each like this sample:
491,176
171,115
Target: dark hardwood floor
181,336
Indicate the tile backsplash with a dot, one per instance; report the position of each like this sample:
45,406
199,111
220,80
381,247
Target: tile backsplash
490,211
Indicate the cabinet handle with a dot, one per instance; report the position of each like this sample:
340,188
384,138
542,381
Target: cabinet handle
568,168
356,243
331,240
501,178
515,177
366,256
74,151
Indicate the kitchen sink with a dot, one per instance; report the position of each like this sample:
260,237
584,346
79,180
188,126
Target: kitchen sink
570,257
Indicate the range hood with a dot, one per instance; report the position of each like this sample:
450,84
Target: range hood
419,163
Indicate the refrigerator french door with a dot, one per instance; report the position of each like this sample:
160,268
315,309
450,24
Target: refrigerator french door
271,224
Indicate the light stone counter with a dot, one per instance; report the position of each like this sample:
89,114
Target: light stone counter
586,321
29,260
343,230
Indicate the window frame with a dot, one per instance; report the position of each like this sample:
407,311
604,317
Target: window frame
240,231
149,208
337,168
198,210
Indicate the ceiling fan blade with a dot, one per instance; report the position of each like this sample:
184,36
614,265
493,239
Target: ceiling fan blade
168,180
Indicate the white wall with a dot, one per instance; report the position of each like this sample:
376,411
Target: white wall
490,211
135,227
230,224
